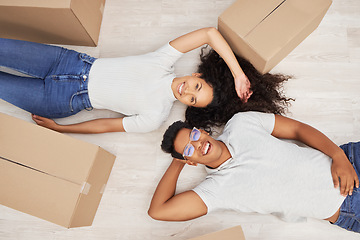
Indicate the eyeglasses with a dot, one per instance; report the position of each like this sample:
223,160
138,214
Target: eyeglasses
189,148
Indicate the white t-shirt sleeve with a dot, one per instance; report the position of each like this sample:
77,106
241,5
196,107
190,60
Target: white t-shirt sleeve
207,192
142,123
169,55
252,120
267,121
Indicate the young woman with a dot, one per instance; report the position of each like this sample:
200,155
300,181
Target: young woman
266,91
63,82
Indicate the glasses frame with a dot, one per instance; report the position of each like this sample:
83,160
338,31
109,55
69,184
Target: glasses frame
189,145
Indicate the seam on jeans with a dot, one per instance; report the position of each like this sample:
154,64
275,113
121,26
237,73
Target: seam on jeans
62,52
352,153
74,95
84,102
33,76
87,64
347,214
67,78
86,58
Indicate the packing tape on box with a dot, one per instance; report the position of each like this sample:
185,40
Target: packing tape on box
102,6
103,189
85,188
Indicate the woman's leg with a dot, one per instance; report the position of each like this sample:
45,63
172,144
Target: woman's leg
60,76
34,59
23,92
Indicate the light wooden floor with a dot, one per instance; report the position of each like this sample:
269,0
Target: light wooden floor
327,85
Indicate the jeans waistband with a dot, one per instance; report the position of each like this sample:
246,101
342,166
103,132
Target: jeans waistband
83,92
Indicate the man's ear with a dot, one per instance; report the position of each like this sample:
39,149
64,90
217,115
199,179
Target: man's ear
191,163
180,160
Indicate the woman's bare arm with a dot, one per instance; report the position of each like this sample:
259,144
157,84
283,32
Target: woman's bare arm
101,125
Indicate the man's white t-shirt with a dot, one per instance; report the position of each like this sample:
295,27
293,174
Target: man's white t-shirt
269,175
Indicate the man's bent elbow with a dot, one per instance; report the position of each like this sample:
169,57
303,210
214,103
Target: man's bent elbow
155,215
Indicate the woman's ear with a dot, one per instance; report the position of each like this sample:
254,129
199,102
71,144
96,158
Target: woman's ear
197,75
204,132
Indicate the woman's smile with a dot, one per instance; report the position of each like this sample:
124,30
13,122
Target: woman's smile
181,88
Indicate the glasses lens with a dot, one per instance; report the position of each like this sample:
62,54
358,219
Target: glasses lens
189,150
195,134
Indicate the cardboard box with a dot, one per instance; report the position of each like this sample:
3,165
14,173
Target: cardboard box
266,31
51,175
70,22
234,233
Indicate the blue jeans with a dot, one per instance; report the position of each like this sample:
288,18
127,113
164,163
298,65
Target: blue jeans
350,209
58,83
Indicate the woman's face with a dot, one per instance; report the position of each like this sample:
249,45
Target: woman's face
192,90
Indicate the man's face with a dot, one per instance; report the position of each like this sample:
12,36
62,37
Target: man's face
207,149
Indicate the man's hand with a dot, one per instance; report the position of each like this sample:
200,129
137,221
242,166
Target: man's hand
242,87
342,171
44,122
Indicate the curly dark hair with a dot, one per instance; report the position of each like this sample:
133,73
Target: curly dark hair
167,144
267,92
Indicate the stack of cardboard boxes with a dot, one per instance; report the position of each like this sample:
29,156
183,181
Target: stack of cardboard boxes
51,175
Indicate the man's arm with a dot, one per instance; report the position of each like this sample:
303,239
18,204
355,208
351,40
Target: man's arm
166,206
101,125
212,37
341,167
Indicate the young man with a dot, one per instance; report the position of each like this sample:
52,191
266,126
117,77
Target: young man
251,169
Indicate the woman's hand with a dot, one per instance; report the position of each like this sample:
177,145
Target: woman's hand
342,169
242,87
44,122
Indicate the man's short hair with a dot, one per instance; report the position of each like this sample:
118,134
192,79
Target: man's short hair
167,144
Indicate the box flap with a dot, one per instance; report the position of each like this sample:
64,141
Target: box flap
45,150
36,193
37,3
234,233
283,25
89,201
245,15
89,14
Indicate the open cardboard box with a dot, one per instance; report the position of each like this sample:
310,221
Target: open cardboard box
51,175
234,233
266,31
70,22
